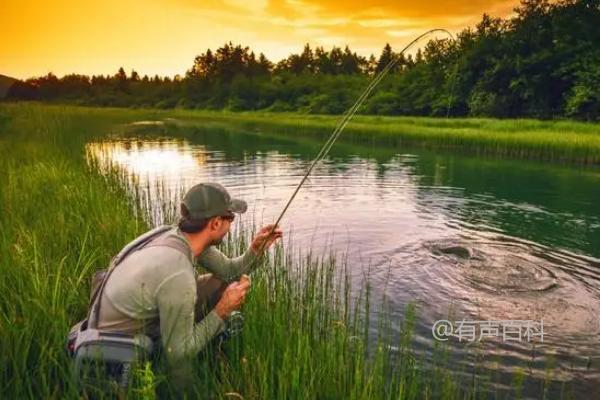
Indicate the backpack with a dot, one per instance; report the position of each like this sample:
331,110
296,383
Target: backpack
115,351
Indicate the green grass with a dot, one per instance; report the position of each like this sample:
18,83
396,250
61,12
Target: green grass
557,141
61,220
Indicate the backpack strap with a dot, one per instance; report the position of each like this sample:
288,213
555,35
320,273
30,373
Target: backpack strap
173,242
154,237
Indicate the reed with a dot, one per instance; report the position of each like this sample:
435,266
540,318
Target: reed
306,336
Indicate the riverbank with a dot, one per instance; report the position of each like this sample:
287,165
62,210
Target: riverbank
61,220
554,141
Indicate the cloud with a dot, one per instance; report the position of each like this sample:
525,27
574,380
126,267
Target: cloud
391,9
164,36
359,23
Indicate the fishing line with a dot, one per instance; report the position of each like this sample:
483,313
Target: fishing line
351,112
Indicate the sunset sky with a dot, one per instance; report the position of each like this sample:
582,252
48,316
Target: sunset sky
163,36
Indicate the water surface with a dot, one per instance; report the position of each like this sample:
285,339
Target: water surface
473,238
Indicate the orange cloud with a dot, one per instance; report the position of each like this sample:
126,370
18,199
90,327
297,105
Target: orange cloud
401,9
163,36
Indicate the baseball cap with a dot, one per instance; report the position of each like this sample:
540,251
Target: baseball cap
206,200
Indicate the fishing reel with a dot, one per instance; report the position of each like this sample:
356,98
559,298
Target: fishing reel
235,324
233,327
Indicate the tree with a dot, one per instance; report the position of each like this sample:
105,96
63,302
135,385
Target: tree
134,77
351,63
387,55
265,67
371,65
542,62
121,80
121,76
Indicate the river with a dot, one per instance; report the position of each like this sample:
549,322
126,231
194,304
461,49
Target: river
461,237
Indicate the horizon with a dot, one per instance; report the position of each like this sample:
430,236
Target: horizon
168,35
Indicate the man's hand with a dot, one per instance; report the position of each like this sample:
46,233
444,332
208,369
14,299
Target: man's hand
233,297
264,239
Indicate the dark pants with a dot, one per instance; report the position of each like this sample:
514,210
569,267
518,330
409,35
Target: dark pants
209,290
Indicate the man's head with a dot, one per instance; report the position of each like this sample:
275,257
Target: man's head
208,208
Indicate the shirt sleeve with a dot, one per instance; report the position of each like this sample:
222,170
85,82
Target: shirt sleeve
228,269
181,337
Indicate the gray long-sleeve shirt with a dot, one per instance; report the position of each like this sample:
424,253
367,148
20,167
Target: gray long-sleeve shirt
154,291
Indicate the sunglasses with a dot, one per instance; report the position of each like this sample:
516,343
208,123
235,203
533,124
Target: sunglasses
228,217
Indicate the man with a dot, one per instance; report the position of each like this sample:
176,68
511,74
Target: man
155,290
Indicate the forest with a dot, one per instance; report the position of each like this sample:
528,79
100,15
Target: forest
542,62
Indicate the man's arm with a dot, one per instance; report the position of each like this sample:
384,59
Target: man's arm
181,337
225,268
230,269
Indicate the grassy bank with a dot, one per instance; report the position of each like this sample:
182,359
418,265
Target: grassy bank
556,141
60,220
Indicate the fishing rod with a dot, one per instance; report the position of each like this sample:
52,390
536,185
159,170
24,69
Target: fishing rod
349,114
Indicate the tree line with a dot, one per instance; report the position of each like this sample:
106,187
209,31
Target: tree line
543,62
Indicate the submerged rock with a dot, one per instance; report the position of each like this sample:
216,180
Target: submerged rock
459,251
495,269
